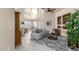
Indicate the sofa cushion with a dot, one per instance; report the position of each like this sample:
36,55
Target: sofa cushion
39,33
38,30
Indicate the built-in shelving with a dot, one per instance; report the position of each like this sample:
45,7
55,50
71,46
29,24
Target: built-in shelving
61,21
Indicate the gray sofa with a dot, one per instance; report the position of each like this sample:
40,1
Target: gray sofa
39,34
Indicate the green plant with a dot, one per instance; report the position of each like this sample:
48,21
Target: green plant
72,27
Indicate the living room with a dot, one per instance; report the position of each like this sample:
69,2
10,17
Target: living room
44,20
39,23
44,27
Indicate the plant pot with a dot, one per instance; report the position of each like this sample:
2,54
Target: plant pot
69,44
78,45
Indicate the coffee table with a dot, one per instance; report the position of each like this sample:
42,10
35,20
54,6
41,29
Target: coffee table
52,37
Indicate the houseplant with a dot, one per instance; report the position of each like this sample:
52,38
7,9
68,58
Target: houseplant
72,27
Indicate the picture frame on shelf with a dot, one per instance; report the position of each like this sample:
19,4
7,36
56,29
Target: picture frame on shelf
59,27
59,20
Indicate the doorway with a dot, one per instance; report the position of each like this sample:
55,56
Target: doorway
17,29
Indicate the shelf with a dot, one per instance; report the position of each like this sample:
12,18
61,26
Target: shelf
63,29
58,26
61,21
65,19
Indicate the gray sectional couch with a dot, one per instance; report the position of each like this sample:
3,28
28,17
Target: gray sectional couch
39,34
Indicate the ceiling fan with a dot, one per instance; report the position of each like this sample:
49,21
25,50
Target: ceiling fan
49,9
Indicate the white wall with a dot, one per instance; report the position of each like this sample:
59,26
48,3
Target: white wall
42,17
7,29
60,13
48,17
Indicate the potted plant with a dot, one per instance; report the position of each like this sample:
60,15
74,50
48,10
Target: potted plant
72,27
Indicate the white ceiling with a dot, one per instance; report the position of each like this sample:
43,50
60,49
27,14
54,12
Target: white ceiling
29,16
22,9
19,9
58,9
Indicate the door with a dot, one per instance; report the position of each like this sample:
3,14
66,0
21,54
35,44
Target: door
17,29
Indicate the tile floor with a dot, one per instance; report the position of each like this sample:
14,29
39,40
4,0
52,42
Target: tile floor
28,45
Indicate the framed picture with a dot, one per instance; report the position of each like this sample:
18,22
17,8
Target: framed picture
59,20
